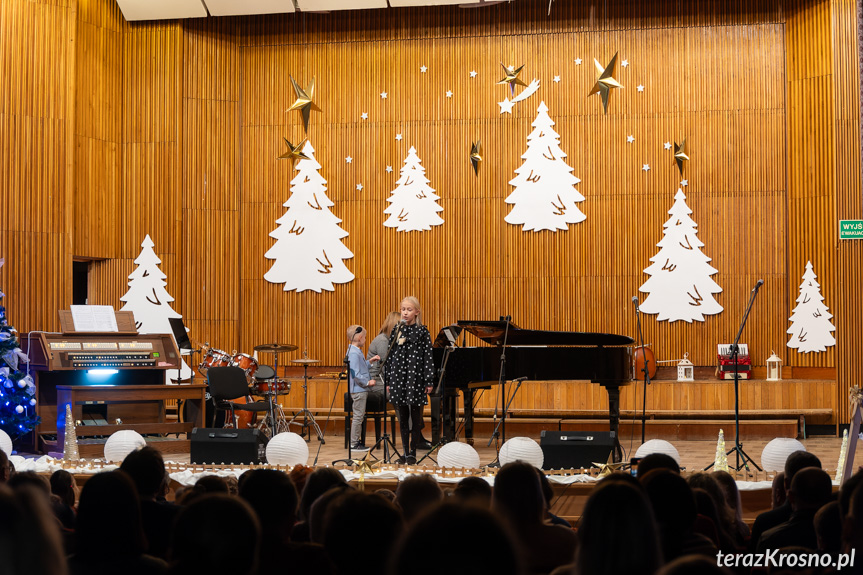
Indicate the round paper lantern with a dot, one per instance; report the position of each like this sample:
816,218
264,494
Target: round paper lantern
287,448
777,451
658,446
121,444
522,449
5,443
457,454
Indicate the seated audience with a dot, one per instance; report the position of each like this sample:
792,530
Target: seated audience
852,528
416,494
147,470
473,490
828,528
29,537
740,530
360,533
317,483
657,461
724,519
5,467
548,496
693,565
811,488
517,498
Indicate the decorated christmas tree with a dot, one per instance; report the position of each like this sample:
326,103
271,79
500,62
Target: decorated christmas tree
720,462
308,253
148,299
17,390
413,204
680,286
544,197
810,321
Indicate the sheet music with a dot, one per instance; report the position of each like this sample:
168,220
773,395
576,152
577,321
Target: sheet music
91,318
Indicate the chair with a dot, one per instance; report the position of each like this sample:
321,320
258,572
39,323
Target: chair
375,408
229,383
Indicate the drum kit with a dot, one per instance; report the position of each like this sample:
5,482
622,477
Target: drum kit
264,381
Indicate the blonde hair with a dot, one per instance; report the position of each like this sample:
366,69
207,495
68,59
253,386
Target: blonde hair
352,332
416,303
389,323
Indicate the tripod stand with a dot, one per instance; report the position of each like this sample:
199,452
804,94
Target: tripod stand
385,442
308,419
735,351
645,369
499,432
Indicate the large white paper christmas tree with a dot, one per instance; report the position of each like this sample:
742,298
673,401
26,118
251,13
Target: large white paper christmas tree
148,299
544,197
309,252
810,321
680,286
413,204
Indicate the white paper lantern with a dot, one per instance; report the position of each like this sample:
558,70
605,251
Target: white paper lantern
522,449
777,451
121,444
5,443
658,446
457,454
287,448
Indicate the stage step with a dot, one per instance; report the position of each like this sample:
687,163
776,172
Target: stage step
677,429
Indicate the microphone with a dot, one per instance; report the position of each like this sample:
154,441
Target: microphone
359,330
403,321
520,379
635,302
758,284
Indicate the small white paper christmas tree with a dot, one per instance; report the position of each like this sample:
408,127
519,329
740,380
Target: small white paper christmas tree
720,462
544,197
413,204
680,286
149,301
810,321
308,253
70,441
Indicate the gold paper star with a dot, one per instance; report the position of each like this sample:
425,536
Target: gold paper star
365,466
680,155
295,153
511,77
476,156
305,101
605,81
608,467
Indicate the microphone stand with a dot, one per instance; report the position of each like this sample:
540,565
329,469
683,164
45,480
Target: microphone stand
385,440
735,352
496,462
500,429
347,362
644,368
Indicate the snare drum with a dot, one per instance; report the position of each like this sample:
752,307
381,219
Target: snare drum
214,358
269,386
245,362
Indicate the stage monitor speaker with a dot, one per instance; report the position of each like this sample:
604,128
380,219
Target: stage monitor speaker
219,445
575,449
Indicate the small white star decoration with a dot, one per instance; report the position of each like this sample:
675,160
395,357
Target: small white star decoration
449,93
364,116
557,78
577,61
640,88
359,187
389,169
684,183
383,95
645,168
506,106
667,145
473,73
624,64
630,138
423,69
398,137
348,160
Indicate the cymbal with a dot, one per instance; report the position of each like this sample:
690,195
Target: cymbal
276,347
305,361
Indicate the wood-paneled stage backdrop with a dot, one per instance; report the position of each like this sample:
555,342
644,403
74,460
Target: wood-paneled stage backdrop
110,131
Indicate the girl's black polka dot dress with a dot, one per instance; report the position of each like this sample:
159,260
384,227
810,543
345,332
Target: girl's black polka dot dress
410,369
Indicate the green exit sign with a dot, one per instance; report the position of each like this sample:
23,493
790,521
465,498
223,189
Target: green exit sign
851,229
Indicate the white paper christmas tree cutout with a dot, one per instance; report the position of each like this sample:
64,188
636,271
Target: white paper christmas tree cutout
309,252
544,197
680,286
149,301
413,203
810,321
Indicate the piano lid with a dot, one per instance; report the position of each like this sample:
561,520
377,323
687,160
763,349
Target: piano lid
493,332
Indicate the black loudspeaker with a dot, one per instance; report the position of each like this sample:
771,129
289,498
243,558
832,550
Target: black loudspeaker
575,449
218,445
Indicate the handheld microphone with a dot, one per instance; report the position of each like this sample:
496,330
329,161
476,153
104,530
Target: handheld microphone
403,322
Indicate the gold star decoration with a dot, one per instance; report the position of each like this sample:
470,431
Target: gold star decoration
605,81
680,155
365,466
511,77
305,101
295,153
476,155
608,467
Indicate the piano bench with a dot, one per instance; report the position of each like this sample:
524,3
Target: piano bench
376,411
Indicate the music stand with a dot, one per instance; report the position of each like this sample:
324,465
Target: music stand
181,336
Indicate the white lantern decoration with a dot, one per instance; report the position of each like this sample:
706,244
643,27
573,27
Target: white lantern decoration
658,446
457,454
522,449
5,443
774,367
685,369
777,451
287,448
121,444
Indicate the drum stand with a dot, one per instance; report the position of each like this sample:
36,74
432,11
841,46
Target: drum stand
308,419
275,422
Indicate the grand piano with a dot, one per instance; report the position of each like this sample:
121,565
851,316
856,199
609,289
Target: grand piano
538,355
